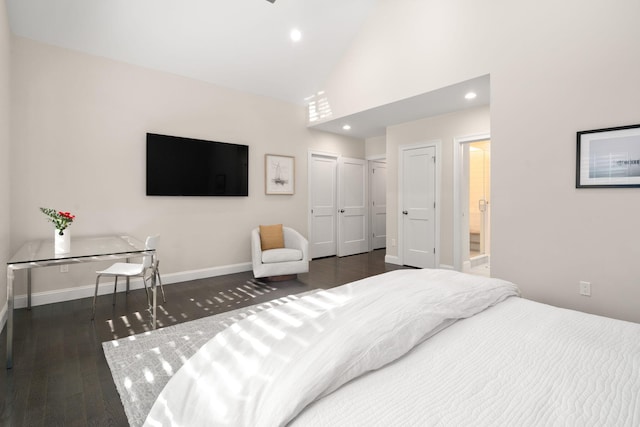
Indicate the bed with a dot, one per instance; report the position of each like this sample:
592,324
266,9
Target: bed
409,347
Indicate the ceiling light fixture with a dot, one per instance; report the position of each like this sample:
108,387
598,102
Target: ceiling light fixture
346,127
470,95
295,35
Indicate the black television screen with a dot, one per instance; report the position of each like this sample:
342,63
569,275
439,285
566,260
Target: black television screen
194,167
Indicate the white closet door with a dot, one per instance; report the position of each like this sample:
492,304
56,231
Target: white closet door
378,180
353,236
323,186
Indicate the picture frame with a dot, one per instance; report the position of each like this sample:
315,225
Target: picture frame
608,158
279,174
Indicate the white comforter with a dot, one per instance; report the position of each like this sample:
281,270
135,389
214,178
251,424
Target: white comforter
264,370
519,363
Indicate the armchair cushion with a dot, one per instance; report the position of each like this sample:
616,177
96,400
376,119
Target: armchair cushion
271,237
281,255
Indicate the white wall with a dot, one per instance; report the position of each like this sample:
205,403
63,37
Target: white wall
444,129
376,146
337,144
556,68
78,141
5,202
409,47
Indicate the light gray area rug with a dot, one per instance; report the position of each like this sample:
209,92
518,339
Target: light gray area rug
141,365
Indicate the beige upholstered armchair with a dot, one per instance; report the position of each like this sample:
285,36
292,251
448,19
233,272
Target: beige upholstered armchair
278,255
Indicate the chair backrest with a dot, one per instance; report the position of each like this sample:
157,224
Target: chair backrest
150,243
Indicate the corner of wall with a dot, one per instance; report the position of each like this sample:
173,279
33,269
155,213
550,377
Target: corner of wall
5,178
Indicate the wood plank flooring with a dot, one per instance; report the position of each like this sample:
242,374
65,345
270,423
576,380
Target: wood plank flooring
60,376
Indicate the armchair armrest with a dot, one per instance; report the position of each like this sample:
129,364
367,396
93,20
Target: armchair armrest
293,239
256,248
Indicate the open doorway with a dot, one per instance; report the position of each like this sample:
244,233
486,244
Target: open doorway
472,195
479,177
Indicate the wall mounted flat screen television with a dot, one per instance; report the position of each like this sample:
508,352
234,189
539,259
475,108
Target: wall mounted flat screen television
179,166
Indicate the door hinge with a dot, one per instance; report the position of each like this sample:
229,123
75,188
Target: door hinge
434,251
434,159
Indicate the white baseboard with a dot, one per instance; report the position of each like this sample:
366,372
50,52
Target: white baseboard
85,291
446,267
184,276
392,259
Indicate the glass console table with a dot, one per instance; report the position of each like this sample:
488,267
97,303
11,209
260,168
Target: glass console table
40,253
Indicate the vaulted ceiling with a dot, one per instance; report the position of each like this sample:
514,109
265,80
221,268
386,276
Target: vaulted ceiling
240,44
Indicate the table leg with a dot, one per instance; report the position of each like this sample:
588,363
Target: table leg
155,304
127,292
10,276
28,289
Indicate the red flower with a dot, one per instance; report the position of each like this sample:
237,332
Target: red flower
67,215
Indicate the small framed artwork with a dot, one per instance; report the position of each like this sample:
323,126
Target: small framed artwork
608,157
279,174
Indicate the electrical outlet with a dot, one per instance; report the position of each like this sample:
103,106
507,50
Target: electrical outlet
64,268
585,288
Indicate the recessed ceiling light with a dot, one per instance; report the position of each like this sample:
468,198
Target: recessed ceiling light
470,95
346,127
295,35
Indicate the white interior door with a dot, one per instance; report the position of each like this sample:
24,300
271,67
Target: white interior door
418,207
378,216
353,236
322,194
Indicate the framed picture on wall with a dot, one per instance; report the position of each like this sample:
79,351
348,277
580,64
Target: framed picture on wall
608,157
279,174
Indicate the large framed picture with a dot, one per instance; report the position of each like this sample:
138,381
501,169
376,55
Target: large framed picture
608,157
279,174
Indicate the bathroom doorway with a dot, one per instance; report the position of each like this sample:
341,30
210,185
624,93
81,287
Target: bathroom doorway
479,196
472,204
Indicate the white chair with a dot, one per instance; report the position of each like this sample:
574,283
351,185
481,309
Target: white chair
149,265
281,263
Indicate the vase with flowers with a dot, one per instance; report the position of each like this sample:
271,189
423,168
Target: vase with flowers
61,220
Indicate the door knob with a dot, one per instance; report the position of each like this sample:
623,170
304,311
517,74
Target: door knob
405,213
341,210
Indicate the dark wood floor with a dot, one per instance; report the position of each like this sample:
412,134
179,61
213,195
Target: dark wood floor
60,376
